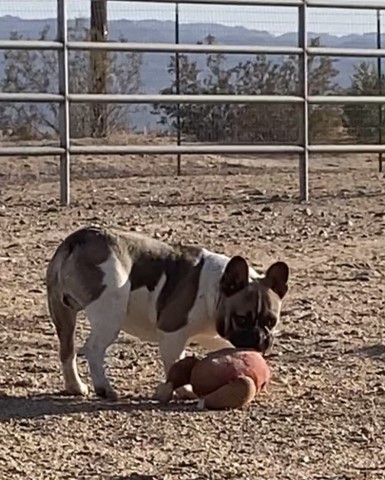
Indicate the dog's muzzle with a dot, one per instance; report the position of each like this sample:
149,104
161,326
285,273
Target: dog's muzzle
259,339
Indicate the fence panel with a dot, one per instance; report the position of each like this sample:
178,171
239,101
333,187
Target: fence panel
64,98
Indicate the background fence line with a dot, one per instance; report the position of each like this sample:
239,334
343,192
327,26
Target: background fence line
64,98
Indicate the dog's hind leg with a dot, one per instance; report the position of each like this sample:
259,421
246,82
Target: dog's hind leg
64,319
106,315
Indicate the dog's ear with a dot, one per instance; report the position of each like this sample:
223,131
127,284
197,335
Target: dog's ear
235,277
276,278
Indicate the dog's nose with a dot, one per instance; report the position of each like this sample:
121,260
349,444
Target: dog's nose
244,339
258,339
266,340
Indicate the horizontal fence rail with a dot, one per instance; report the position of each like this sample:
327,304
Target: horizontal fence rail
252,3
190,48
183,48
344,4
142,98
188,150
62,45
31,151
188,99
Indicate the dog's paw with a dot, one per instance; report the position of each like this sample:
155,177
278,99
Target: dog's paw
107,393
201,404
77,389
164,392
185,393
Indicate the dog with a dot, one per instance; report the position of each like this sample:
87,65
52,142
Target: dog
172,295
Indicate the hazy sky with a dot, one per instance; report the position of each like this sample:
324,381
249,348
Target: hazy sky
276,20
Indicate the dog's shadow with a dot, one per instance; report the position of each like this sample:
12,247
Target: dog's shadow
375,352
29,407
135,476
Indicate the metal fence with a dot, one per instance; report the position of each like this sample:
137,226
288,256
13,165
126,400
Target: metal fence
64,98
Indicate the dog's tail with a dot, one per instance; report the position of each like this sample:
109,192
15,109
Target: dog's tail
62,309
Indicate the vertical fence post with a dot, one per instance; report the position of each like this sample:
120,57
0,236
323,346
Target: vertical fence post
64,114
379,73
304,79
177,82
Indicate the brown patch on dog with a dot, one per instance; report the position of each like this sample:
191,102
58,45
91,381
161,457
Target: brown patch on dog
180,290
150,260
73,273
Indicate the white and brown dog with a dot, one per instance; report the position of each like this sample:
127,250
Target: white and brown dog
171,295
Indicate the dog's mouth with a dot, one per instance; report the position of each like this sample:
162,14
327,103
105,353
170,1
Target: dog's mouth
259,339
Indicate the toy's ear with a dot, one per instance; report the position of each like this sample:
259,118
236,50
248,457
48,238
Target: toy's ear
180,373
235,277
235,394
178,376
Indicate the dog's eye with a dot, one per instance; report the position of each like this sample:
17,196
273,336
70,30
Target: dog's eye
240,321
269,322
243,321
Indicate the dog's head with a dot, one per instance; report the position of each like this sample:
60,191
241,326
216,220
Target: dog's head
249,310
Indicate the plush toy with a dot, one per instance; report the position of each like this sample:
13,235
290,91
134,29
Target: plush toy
228,378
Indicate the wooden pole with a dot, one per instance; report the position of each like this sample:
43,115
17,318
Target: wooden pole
379,73
98,67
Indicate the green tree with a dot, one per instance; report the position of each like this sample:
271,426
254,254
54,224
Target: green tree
325,121
248,123
362,120
197,120
37,71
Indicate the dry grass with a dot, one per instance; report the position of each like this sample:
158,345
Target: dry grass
324,415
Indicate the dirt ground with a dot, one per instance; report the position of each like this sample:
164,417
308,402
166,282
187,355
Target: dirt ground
323,416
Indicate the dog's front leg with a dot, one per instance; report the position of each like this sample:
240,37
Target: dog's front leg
213,343
172,346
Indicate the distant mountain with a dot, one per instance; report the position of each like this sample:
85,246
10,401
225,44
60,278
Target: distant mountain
154,70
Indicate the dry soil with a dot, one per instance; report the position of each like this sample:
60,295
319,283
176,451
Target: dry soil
323,416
